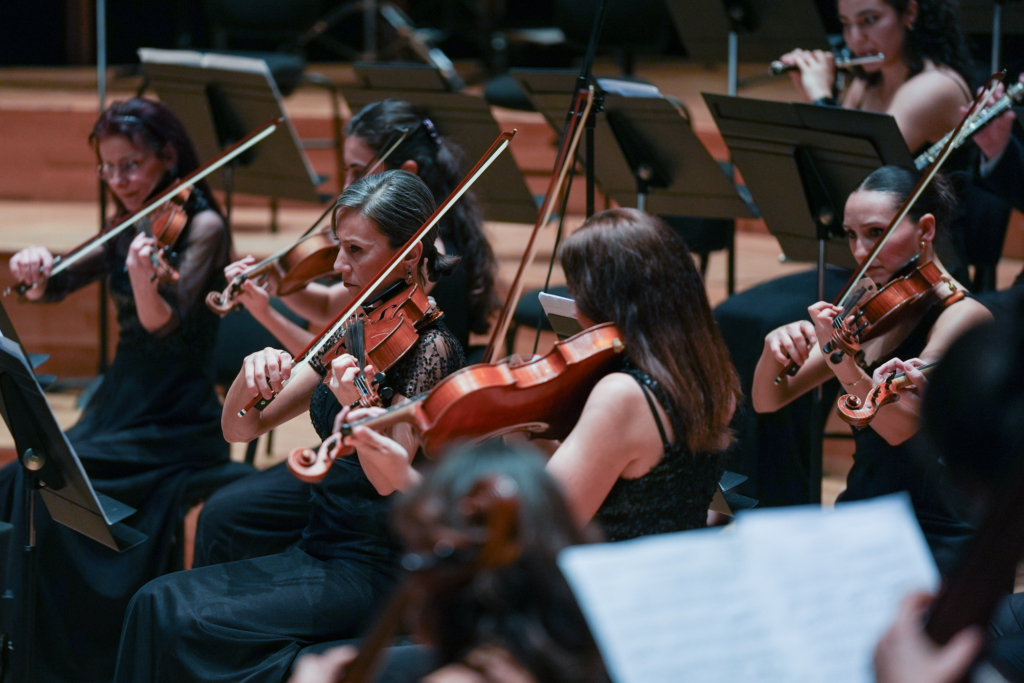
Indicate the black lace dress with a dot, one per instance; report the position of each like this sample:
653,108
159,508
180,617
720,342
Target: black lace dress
154,420
675,494
247,620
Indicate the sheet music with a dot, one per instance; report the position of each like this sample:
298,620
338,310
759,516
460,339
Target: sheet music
795,594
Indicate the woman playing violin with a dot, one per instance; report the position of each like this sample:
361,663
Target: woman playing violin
645,456
882,462
467,296
265,514
923,80
247,620
154,419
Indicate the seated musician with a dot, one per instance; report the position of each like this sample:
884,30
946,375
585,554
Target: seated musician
247,620
646,454
266,513
923,80
882,461
517,622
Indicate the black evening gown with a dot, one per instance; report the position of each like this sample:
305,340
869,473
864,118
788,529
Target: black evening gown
154,420
247,620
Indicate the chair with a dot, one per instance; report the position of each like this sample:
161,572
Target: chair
199,486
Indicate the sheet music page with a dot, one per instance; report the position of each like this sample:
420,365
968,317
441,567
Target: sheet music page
795,594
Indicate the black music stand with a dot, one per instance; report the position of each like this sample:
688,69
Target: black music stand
710,30
52,470
222,98
646,151
793,155
501,192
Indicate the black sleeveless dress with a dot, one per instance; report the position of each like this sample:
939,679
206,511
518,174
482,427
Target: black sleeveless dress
880,469
153,421
675,494
247,620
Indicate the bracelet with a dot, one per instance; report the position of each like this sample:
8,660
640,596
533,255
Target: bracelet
853,384
827,102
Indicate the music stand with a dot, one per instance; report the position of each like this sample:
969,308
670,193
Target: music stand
646,151
501,192
52,469
222,98
710,31
793,154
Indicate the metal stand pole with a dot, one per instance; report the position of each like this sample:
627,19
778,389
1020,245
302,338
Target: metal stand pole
101,87
370,31
997,34
734,51
815,452
31,463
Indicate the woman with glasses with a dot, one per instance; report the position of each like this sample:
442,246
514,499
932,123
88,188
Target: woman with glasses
155,418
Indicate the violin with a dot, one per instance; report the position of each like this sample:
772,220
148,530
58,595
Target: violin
327,336
309,258
165,225
860,413
905,298
955,139
544,397
170,213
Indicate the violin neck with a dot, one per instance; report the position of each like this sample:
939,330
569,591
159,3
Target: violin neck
410,412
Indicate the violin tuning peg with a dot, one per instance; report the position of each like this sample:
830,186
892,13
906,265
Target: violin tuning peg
386,393
836,358
380,378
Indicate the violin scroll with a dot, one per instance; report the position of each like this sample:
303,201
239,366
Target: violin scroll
312,466
860,413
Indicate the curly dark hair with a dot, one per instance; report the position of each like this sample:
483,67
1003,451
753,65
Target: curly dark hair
937,34
439,163
154,126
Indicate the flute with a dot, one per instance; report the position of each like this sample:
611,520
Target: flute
842,64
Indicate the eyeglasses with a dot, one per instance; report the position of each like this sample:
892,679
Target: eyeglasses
129,168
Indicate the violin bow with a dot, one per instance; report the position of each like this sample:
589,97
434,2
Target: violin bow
319,342
250,140
954,141
395,141
582,105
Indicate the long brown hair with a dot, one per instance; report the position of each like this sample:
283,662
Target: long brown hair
629,268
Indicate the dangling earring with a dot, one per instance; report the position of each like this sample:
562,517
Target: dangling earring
408,274
922,243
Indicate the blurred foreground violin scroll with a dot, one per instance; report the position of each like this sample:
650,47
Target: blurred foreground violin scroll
440,555
309,258
848,292
165,213
858,413
329,335
543,397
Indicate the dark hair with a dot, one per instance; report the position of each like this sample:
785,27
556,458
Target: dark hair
154,126
439,164
938,199
526,606
937,34
398,203
628,267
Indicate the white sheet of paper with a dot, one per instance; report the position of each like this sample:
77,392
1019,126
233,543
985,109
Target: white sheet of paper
787,595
